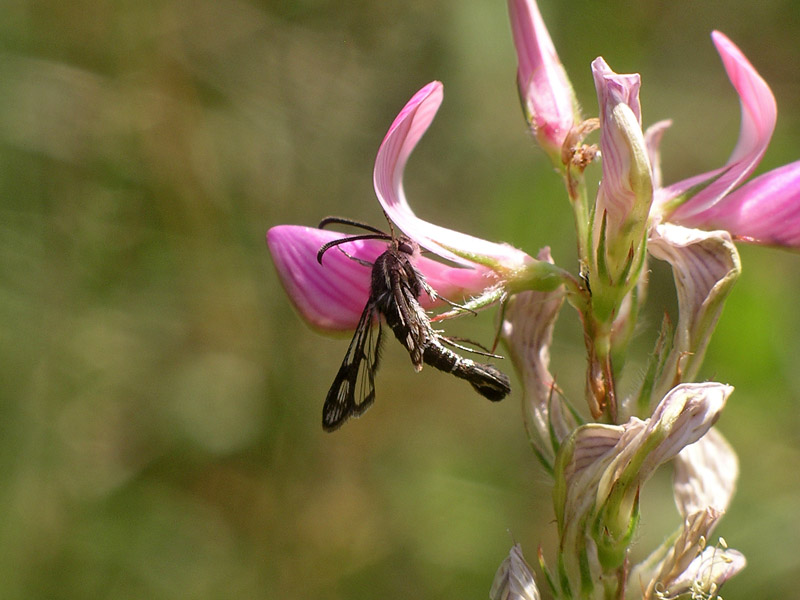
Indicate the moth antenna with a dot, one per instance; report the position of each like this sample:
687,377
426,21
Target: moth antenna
391,225
367,236
351,222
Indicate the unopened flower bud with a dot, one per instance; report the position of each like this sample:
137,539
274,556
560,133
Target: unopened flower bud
626,190
514,579
545,91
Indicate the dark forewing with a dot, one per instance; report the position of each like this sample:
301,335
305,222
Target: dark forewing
353,389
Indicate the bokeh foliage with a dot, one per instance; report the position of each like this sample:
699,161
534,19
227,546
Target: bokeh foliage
161,402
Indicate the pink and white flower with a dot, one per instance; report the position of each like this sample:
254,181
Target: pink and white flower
332,296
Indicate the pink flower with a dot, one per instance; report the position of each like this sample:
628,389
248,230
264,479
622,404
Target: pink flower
767,209
547,97
332,296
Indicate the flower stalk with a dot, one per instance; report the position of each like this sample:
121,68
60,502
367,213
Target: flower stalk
600,455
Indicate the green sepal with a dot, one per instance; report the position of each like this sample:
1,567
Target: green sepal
612,550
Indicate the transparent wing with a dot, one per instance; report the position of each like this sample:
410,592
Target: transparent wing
353,389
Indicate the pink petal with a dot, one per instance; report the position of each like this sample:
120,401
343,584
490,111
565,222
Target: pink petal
545,91
528,324
707,572
765,210
332,296
652,139
759,113
407,129
626,190
705,475
705,265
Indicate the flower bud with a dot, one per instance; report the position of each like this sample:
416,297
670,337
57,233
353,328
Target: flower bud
626,190
514,579
548,100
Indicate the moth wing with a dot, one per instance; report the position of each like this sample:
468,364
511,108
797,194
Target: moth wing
353,388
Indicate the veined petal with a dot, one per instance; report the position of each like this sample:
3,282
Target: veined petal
705,574
528,332
759,113
705,265
671,561
616,88
705,475
407,129
652,140
685,414
582,461
545,91
332,296
681,418
765,210
514,579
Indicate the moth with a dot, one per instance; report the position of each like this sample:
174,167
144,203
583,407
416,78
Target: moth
395,288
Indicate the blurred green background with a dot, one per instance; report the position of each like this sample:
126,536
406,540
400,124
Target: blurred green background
160,399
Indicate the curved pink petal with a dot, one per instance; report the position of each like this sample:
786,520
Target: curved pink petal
652,140
332,296
407,129
759,113
765,210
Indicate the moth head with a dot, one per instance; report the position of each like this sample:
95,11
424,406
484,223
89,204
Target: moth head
407,245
